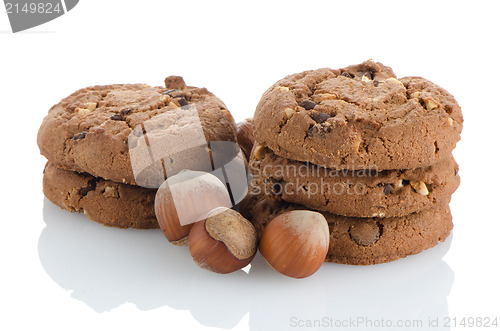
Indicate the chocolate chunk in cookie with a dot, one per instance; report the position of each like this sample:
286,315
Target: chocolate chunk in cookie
365,233
308,104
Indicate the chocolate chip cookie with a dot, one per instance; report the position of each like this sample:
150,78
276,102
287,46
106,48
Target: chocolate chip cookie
119,132
357,193
364,241
103,201
358,117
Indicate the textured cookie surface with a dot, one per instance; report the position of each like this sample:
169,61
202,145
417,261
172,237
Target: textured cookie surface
90,130
358,193
358,117
366,241
103,201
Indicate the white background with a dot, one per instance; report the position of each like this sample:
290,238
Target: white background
60,271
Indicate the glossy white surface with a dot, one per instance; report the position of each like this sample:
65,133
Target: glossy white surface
106,268
60,271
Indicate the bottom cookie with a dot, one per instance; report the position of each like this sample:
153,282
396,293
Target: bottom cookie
364,241
110,203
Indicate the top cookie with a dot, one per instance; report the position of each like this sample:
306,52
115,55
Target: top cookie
114,131
358,117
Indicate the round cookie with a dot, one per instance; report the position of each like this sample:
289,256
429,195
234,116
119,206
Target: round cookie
357,193
358,117
96,129
103,201
364,241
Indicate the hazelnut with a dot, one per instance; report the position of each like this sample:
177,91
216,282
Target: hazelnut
393,80
419,187
89,107
245,136
415,95
450,121
186,198
259,152
318,98
224,242
111,192
289,112
430,104
82,111
295,243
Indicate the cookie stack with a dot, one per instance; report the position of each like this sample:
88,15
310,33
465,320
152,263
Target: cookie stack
370,151
110,147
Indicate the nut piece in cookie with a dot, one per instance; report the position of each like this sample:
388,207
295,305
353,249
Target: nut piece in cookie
419,187
259,152
90,107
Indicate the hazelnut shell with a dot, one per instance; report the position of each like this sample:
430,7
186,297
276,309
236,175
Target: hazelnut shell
295,243
224,242
186,198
